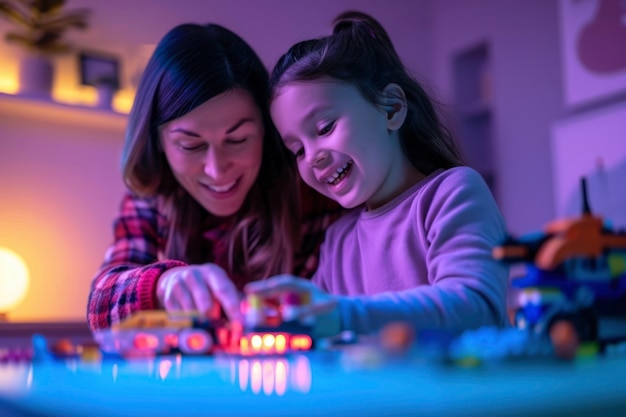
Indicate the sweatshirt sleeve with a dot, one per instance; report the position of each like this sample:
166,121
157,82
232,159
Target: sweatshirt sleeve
126,280
467,287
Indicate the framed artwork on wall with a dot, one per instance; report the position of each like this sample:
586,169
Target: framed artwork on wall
591,145
99,69
593,50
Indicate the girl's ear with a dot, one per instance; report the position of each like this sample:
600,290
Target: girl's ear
394,105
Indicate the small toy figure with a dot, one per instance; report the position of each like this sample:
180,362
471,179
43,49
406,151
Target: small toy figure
397,337
564,339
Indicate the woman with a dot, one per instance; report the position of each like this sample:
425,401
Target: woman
214,198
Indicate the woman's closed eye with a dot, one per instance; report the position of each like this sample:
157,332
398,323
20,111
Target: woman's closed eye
236,141
190,147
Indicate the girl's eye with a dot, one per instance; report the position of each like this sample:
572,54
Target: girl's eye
299,153
326,129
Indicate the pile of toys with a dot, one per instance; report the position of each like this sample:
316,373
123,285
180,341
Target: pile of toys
573,291
271,326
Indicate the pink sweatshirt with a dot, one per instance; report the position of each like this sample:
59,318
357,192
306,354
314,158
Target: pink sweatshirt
424,257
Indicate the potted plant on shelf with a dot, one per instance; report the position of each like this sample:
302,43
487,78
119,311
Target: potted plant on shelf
42,25
106,86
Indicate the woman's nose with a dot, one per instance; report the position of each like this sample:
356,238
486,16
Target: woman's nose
215,163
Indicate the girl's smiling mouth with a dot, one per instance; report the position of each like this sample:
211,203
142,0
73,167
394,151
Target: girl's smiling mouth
340,174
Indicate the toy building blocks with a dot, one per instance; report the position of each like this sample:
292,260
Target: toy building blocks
491,345
575,273
153,332
275,325
564,339
271,326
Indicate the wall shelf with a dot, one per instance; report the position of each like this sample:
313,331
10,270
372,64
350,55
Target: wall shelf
41,109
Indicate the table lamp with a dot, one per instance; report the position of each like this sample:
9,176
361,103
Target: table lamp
14,280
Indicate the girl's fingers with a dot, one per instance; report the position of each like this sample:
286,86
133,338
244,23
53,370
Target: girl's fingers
321,307
277,285
321,303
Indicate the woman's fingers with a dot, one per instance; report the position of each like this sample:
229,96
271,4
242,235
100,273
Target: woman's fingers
224,291
199,288
182,295
200,293
170,303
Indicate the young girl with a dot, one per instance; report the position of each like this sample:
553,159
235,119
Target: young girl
417,248
213,199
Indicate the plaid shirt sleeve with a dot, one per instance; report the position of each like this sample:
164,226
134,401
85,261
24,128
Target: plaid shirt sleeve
126,280
318,212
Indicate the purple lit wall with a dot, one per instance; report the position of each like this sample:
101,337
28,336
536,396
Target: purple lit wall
540,97
526,93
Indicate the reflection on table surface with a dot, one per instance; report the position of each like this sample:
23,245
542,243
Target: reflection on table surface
264,375
272,375
315,383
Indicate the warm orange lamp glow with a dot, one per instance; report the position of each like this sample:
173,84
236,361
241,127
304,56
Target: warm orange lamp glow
14,280
8,85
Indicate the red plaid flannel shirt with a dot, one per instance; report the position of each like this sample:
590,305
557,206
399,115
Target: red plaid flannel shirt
126,280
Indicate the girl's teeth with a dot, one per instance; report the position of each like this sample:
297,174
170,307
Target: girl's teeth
341,172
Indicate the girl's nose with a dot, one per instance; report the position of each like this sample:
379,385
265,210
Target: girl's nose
318,159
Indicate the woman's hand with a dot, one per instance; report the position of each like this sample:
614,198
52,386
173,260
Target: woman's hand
322,305
200,288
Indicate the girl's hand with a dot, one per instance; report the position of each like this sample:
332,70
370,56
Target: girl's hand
200,288
323,305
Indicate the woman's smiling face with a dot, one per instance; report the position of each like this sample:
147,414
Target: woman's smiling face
215,150
342,142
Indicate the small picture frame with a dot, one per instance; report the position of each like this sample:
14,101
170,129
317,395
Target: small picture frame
98,69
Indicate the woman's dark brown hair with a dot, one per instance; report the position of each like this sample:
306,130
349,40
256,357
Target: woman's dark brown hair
190,65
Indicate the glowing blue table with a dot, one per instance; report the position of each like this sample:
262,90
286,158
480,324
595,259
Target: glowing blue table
329,383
